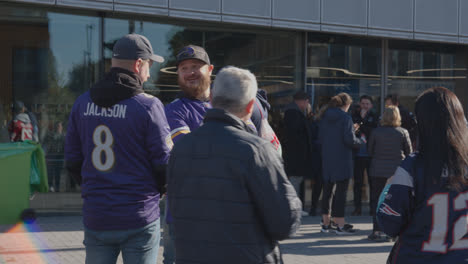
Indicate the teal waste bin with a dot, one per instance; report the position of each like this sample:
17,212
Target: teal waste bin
22,173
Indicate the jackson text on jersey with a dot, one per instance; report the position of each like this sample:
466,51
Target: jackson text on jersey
117,111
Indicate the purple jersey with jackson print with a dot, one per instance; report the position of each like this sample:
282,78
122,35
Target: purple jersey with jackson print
119,146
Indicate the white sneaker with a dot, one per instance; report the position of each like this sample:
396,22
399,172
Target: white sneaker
326,229
304,213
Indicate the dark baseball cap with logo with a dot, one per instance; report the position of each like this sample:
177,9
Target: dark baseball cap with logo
134,47
192,52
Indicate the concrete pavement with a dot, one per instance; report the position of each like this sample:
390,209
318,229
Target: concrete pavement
59,240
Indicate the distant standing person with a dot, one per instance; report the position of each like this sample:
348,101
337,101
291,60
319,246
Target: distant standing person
389,144
229,195
365,120
185,114
117,146
54,143
426,201
408,120
337,138
21,128
34,123
297,145
316,162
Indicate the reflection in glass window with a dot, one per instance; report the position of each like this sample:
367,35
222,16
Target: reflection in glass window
165,39
54,59
414,67
343,64
275,58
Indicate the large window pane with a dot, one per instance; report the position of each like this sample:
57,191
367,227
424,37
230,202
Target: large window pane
414,67
343,64
275,58
49,59
165,39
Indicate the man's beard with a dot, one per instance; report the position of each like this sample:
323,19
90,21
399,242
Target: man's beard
197,92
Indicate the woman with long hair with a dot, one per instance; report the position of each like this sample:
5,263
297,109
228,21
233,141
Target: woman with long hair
337,139
426,202
388,145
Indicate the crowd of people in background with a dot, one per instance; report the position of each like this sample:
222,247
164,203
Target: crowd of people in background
232,188
341,144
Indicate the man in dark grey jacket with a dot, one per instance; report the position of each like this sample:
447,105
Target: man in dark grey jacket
231,201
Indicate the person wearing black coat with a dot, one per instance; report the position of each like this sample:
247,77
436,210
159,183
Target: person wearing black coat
316,162
338,139
297,142
230,198
365,120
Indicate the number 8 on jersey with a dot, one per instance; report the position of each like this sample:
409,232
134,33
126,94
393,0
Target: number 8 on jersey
107,162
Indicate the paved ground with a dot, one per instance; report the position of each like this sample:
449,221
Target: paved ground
59,240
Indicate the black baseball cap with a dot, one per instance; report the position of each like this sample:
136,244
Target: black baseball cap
192,52
134,47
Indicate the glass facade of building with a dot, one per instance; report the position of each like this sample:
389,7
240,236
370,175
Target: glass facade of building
50,56
343,64
414,67
378,67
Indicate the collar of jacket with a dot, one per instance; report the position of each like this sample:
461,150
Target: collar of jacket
221,115
118,84
294,106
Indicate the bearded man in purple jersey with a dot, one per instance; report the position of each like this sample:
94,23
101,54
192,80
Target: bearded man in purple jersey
117,147
185,114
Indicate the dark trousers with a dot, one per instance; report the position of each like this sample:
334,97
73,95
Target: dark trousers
377,185
54,167
334,197
302,192
316,191
360,165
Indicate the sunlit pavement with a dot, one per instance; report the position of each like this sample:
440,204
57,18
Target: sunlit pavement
312,247
59,240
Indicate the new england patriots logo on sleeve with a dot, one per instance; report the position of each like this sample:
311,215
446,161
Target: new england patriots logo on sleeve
386,209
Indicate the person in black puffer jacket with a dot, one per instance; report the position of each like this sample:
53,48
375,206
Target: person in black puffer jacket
388,146
230,199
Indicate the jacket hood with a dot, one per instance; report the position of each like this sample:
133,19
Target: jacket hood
333,115
220,115
23,117
262,98
119,84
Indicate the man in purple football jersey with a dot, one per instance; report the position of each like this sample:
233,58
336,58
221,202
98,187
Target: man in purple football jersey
117,146
185,114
